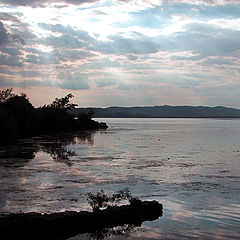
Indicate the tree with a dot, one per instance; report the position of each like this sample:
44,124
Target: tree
62,103
6,94
22,111
8,126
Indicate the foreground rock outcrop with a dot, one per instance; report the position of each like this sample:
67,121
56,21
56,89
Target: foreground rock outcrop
70,223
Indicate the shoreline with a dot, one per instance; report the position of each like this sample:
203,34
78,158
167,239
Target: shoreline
67,224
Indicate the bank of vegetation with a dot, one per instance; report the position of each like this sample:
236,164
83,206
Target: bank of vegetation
19,118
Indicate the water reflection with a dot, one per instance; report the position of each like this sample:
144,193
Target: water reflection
18,154
191,166
22,151
125,231
43,174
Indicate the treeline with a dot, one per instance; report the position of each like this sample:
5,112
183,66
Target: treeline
18,117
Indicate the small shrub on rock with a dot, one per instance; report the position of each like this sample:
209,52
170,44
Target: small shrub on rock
101,200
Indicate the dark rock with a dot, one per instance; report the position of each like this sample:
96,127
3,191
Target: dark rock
103,125
70,223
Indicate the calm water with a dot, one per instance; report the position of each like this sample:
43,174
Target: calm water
190,165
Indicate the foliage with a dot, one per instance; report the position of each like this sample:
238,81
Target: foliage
100,199
5,94
62,103
8,126
85,116
18,117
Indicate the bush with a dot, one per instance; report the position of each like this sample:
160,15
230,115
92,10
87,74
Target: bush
101,200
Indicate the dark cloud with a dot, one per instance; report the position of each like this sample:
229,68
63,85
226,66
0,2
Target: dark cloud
132,57
127,86
22,2
10,50
70,38
10,56
202,76
10,61
102,63
6,82
66,31
120,45
13,37
73,84
72,80
41,3
190,58
41,59
65,41
104,82
221,61
3,34
208,40
26,83
10,45
35,3
201,39
9,17
17,38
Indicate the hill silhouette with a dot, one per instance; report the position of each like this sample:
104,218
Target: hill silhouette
165,111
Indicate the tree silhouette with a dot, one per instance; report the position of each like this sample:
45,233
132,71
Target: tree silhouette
5,94
18,117
62,103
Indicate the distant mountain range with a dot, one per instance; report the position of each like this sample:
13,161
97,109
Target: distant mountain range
162,112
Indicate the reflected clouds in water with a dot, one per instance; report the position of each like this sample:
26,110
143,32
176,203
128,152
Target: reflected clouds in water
22,151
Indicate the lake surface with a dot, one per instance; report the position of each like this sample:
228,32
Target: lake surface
191,166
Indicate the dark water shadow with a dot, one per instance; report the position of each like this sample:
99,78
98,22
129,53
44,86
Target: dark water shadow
19,153
124,231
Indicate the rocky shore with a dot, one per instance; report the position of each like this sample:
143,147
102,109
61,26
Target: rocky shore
71,223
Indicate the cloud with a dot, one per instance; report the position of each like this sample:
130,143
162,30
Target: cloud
132,57
8,17
128,86
10,61
73,84
69,37
192,2
209,40
66,30
6,82
3,34
104,82
120,45
41,3
144,47
221,61
8,37
71,80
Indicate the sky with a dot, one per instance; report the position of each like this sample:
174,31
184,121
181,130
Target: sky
122,53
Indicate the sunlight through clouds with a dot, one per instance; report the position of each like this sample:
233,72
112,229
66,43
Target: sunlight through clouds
128,47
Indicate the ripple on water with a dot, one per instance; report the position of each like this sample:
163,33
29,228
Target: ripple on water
189,165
